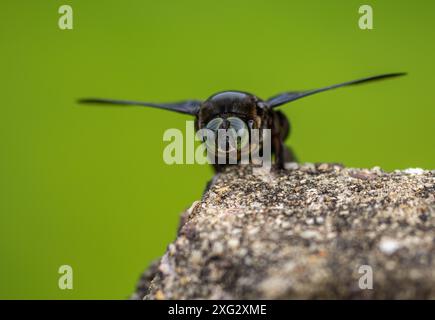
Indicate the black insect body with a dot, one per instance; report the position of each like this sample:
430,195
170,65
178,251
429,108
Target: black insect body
236,109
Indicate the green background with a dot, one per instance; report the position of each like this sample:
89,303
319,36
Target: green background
87,186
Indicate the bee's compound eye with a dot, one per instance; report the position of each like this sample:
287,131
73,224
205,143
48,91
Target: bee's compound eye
214,124
236,123
241,131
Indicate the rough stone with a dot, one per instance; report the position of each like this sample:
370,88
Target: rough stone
303,233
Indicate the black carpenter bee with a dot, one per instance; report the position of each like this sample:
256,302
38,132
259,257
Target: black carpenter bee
237,109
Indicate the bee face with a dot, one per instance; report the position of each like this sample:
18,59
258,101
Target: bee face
229,108
230,134
231,116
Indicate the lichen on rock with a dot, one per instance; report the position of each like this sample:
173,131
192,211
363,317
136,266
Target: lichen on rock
302,233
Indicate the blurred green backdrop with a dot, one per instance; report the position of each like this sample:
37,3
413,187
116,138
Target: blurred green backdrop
87,186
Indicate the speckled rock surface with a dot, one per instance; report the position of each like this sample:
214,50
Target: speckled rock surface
303,232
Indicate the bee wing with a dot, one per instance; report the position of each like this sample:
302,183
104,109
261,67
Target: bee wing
187,107
286,97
